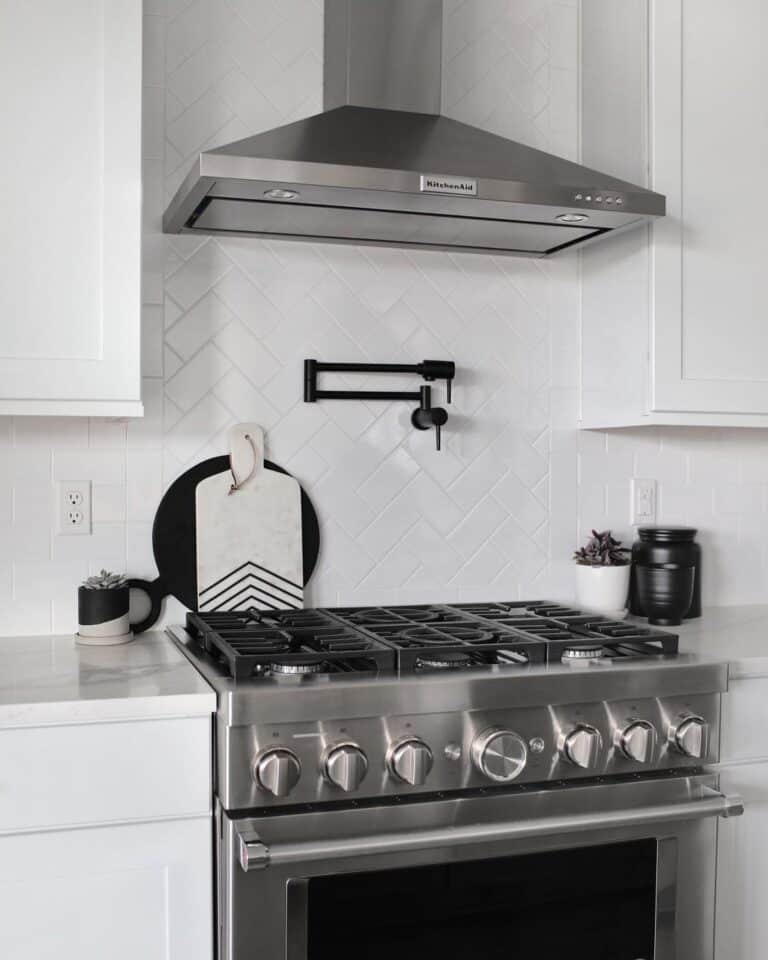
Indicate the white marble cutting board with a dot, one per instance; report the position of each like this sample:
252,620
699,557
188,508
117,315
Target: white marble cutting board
249,550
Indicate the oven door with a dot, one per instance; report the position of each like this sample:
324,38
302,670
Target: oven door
604,872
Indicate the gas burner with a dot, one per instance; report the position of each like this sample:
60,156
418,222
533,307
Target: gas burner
297,666
580,654
444,660
514,658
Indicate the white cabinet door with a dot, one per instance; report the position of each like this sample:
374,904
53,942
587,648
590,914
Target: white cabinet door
741,919
709,155
139,892
70,207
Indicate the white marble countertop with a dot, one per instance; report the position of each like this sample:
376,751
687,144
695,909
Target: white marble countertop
52,680
736,634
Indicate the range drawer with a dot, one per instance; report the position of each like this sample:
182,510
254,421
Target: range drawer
57,776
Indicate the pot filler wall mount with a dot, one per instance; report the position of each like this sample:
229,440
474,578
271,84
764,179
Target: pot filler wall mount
382,166
424,417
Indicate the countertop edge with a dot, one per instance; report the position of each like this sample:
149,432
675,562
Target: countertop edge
113,710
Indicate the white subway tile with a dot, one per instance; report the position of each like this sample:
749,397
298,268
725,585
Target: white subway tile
98,466
152,340
104,548
107,433
736,498
144,485
108,503
27,619
140,560
665,467
42,432
153,70
147,431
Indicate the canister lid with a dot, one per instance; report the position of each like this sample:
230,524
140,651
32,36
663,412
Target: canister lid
666,534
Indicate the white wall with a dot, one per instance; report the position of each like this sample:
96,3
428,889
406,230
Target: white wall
227,325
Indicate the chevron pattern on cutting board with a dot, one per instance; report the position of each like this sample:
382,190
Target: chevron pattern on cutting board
251,585
399,522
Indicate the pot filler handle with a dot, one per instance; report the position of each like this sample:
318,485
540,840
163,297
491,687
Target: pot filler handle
254,854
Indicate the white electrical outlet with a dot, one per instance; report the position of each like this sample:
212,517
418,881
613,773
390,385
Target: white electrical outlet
643,502
74,507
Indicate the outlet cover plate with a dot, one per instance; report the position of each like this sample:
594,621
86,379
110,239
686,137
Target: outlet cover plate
644,500
73,508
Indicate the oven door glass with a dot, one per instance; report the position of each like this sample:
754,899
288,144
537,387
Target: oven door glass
594,903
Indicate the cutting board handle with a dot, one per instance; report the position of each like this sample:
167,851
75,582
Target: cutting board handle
246,454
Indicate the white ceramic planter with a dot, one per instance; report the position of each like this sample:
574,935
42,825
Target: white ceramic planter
603,589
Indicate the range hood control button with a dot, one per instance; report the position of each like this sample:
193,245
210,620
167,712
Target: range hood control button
345,766
410,761
637,741
500,754
691,737
582,746
278,771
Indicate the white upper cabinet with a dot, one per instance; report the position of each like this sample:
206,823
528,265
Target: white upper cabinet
675,324
70,215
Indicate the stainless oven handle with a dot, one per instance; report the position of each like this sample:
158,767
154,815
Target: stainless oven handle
254,854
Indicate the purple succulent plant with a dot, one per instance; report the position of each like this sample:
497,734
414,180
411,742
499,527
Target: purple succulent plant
602,550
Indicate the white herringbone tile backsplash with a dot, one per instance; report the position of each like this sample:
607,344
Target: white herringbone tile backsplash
227,324
399,520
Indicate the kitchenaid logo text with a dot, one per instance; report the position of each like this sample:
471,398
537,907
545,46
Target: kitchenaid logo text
433,184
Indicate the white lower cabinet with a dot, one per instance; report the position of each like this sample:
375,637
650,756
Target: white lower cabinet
106,840
741,924
741,918
132,892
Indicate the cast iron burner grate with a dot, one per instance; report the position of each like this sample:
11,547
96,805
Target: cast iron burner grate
287,644
566,628
619,640
419,640
412,639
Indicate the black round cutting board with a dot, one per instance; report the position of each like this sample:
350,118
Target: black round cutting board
174,540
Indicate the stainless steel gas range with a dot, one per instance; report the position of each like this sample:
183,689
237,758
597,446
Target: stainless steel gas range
477,780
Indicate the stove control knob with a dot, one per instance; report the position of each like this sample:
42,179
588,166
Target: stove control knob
345,766
637,741
278,771
582,746
500,754
691,737
410,761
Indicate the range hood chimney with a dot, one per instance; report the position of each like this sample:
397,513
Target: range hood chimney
381,166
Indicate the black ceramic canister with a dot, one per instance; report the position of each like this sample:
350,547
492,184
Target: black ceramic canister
666,575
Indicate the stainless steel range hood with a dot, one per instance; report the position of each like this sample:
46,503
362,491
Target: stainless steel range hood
382,166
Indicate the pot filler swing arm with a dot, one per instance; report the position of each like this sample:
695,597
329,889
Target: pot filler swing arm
424,417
